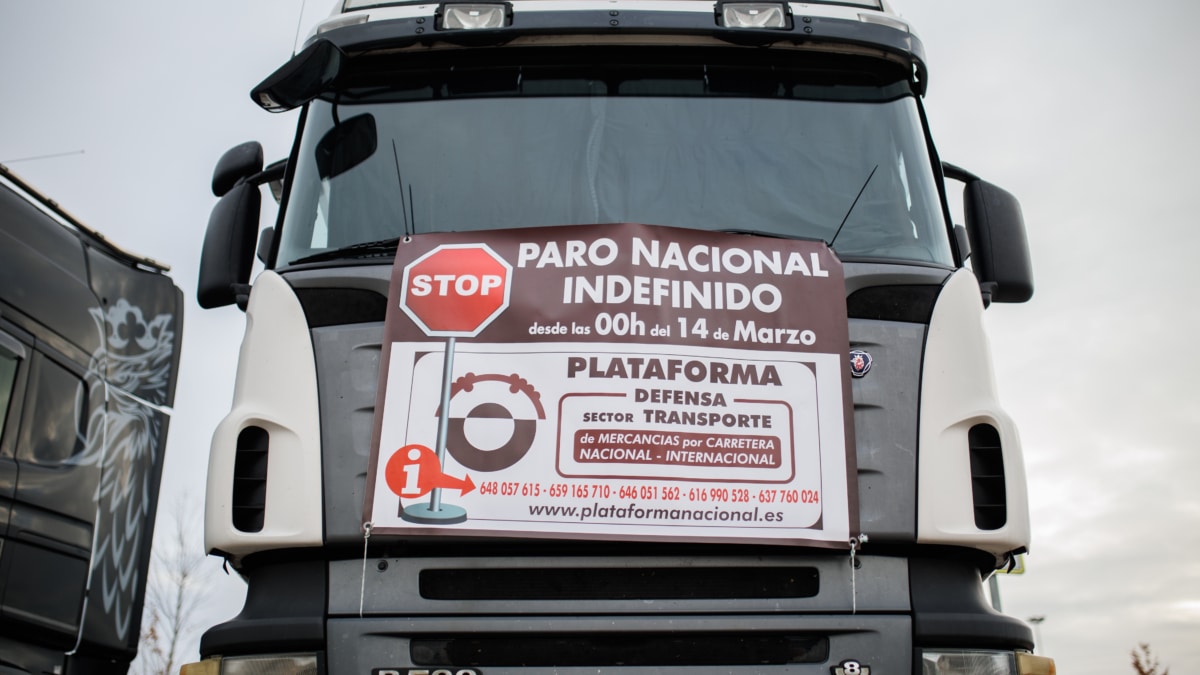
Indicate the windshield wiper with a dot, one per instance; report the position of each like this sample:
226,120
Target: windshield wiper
771,235
364,250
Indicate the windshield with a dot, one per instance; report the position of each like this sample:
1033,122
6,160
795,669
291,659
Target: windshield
779,156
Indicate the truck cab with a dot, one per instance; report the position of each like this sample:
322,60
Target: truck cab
733,409
89,352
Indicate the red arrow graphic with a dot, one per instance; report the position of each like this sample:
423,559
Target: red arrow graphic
413,471
464,484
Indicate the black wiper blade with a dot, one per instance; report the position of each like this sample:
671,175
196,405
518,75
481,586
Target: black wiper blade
771,235
363,250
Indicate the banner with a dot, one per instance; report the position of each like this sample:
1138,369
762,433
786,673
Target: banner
615,382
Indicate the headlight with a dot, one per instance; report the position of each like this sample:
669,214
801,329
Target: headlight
968,663
272,664
266,664
979,662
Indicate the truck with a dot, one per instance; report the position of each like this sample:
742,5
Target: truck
613,336
90,337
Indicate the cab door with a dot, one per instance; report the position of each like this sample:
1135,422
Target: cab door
12,355
51,504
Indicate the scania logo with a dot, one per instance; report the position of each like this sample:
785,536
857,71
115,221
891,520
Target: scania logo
860,363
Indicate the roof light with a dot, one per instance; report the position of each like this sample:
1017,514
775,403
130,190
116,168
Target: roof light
754,15
884,20
471,16
342,22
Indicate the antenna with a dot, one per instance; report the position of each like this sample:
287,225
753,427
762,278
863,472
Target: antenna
36,157
299,20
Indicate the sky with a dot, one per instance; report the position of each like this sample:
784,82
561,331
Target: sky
1085,110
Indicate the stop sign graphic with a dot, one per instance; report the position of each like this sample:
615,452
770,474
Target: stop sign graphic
456,290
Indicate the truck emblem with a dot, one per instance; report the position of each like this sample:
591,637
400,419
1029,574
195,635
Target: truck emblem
851,667
860,363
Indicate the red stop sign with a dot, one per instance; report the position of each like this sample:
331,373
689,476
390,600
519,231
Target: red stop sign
456,290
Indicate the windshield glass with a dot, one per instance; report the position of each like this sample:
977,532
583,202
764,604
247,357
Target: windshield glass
779,156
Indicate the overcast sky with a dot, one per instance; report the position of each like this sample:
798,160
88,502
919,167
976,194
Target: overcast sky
1086,110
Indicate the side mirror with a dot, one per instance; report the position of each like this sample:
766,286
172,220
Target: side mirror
999,247
239,162
228,253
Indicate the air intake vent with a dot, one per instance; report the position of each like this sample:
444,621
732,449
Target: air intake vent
641,650
341,306
250,479
912,304
987,477
620,583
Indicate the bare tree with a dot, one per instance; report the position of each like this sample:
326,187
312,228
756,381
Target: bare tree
172,596
1145,662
